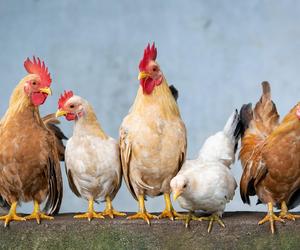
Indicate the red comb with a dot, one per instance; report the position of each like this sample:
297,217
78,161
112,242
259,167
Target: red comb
39,68
64,97
150,53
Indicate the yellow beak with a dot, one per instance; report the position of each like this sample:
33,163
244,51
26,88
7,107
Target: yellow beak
46,91
60,113
176,194
142,75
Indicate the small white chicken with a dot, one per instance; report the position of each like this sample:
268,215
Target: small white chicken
92,158
206,183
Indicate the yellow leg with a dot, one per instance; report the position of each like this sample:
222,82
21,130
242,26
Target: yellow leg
90,214
12,215
187,218
109,210
270,217
142,214
37,215
211,219
169,211
284,214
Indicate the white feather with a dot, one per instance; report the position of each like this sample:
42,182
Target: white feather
209,182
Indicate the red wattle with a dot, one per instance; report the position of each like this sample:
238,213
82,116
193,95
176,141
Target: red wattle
148,85
70,116
38,98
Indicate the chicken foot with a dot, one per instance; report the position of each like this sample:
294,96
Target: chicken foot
187,218
169,211
12,215
90,214
142,214
37,214
109,210
271,217
211,219
284,214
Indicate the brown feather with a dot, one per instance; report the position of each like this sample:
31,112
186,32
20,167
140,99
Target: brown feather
264,120
51,123
29,164
270,155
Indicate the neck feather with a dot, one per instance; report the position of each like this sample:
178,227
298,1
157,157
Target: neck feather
161,97
88,124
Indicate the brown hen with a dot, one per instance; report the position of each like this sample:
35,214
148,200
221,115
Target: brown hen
30,148
270,157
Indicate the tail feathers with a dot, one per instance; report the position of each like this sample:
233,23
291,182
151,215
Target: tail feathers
174,92
246,116
233,128
265,111
222,145
266,89
4,204
51,123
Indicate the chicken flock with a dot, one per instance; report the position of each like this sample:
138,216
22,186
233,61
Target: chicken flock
150,154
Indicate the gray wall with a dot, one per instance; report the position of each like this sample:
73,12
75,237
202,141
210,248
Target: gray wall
215,52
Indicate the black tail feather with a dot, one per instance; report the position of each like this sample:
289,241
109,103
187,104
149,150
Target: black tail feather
4,204
237,133
174,92
246,115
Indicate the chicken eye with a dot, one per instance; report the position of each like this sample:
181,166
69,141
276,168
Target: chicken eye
184,186
72,106
33,83
154,69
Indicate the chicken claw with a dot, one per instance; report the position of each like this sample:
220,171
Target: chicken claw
169,211
211,219
90,214
11,216
284,214
142,214
36,214
187,217
109,210
270,217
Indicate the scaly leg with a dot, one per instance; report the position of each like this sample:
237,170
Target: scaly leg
211,219
284,214
187,217
142,214
12,215
109,210
90,214
37,214
270,217
169,210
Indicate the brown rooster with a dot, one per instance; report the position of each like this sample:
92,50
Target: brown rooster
270,157
30,148
152,138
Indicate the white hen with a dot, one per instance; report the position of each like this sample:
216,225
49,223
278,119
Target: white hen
92,158
206,183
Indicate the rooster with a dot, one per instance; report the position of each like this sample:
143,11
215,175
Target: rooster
92,158
152,138
270,157
206,183
30,148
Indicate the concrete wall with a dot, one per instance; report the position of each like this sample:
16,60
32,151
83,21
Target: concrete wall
215,52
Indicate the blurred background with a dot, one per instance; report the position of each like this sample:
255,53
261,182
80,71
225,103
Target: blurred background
215,52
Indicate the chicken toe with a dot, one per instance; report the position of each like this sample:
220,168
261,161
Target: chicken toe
90,214
284,214
109,210
12,215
